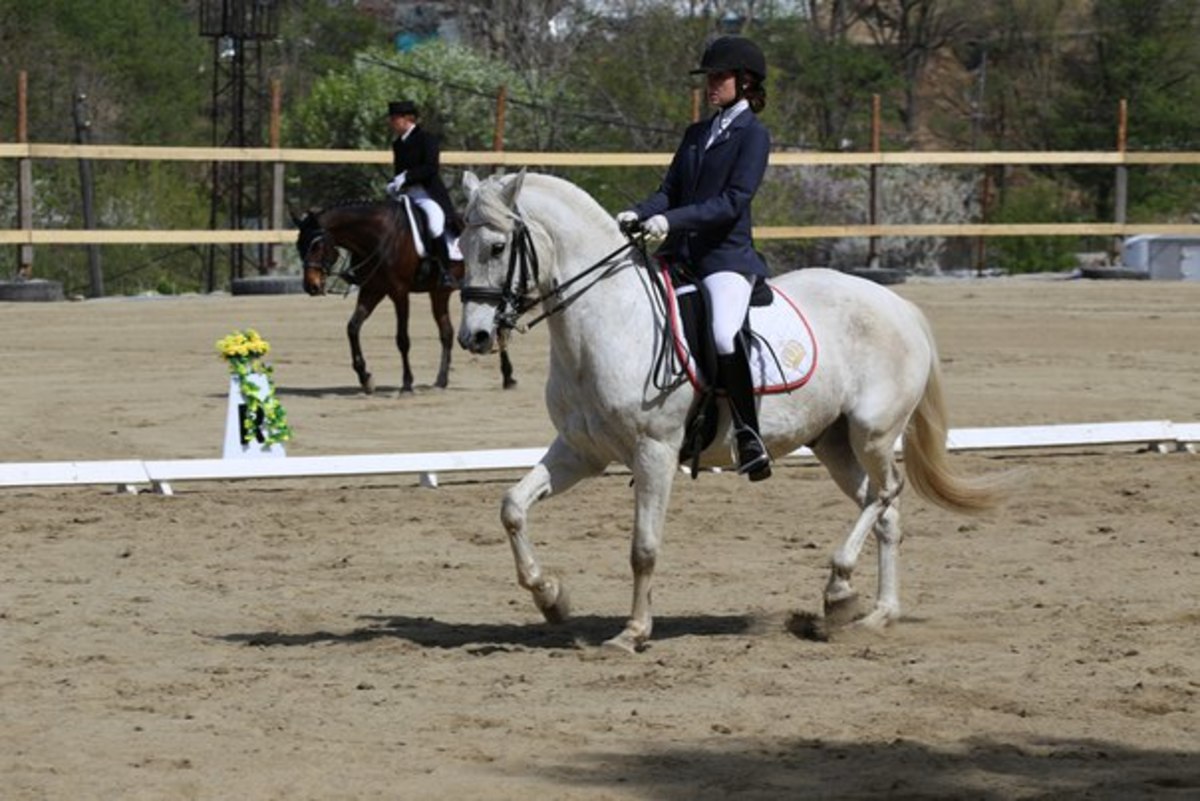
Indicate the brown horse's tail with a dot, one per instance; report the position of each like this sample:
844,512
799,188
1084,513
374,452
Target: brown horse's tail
925,457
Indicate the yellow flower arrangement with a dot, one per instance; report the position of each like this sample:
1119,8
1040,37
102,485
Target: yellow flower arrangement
243,352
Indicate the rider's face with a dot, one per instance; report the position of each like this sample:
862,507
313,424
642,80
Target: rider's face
721,88
401,123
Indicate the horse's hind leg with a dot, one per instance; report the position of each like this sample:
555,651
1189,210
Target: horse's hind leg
560,469
440,303
865,471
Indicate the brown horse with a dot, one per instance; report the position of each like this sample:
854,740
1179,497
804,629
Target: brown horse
383,261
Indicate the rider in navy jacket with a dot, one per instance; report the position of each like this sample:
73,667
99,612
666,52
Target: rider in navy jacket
702,208
706,193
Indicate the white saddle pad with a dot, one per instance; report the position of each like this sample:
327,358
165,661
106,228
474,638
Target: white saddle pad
783,352
418,240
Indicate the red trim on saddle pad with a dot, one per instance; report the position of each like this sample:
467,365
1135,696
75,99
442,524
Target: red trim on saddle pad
683,352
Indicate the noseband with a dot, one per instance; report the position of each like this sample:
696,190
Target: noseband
513,298
326,263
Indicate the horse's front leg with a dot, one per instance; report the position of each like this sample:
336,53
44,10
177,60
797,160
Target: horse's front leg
558,470
506,370
367,301
654,467
400,301
440,303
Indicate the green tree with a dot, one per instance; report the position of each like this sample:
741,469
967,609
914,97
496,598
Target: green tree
1147,52
454,87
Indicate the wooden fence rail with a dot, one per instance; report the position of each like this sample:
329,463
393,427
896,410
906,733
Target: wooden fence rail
27,236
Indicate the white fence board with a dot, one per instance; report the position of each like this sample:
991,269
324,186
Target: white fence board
1162,434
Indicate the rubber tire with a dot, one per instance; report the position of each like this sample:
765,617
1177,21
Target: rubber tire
37,289
880,275
268,285
1110,273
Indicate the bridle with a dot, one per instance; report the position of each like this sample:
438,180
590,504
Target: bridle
330,254
512,299
325,264
517,295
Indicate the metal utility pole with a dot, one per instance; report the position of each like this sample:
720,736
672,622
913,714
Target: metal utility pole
238,28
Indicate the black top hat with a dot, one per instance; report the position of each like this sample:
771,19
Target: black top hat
402,108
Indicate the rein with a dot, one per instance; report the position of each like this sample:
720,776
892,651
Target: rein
513,299
355,274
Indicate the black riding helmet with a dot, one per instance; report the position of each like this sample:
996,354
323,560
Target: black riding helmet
733,54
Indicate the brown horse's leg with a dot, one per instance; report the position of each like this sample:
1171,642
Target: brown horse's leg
368,299
400,301
439,299
506,366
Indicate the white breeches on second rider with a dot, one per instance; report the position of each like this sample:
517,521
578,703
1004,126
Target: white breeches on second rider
728,295
434,216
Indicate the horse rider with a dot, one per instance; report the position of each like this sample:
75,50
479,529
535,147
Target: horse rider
702,208
416,157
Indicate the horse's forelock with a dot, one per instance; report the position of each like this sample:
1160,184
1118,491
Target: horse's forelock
487,206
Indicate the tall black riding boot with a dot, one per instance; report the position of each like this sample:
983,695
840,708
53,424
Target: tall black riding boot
753,458
441,257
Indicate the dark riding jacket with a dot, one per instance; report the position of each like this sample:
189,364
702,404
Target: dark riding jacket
706,196
418,156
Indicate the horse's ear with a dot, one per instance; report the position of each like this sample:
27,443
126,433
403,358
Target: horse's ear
512,188
295,217
470,182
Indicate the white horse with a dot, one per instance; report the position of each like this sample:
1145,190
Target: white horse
528,236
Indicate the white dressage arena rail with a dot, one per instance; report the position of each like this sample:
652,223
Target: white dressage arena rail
128,474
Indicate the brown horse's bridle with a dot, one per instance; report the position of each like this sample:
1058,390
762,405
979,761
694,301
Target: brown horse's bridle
329,256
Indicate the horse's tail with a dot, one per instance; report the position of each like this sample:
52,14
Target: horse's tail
925,457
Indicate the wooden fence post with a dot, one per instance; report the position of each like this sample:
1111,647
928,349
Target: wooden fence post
24,178
1122,189
498,133
277,220
874,197
87,187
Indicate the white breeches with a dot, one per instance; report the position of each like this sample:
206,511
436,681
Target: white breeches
728,296
434,216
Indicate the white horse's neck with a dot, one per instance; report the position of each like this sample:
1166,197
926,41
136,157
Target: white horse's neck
614,318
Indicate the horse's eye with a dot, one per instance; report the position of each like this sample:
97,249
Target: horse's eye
497,249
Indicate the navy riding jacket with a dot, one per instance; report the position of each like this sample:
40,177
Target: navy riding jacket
706,196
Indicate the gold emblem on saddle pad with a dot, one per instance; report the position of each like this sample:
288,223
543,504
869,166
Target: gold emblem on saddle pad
793,354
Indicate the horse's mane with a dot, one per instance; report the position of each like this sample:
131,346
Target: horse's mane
488,204
353,202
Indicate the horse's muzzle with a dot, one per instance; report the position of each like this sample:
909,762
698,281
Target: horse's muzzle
479,341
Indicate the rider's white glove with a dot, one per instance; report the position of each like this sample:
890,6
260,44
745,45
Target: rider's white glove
625,217
657,226
395,185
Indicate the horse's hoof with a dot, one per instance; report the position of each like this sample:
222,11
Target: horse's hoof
509,383
368,385
623,643
553,601
878,619
842,611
